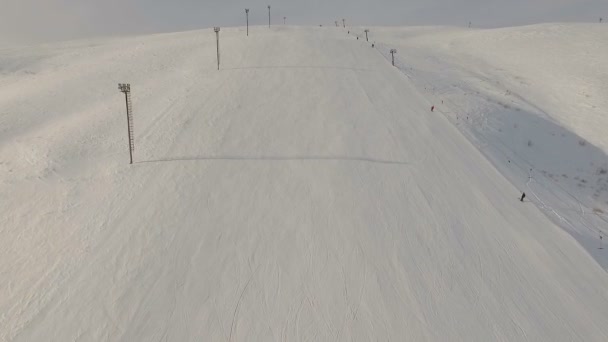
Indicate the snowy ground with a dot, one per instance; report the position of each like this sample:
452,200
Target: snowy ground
303,192
533,99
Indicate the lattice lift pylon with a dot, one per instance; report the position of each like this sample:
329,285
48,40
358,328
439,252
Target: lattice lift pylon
126,89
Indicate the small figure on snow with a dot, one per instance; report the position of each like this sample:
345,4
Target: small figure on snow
432,108
373,45
523,195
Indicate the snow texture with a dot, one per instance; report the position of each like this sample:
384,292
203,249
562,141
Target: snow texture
533,100
303,192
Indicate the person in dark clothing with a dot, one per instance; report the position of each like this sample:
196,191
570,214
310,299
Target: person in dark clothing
433,109
523,195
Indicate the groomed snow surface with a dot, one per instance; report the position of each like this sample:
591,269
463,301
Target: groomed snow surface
533,100
303,192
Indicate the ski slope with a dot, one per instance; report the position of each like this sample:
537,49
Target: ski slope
303,192
533,100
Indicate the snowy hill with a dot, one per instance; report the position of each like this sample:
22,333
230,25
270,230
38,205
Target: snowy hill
303,192
533,100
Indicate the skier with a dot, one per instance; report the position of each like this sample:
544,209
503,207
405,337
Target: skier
523,195
432,108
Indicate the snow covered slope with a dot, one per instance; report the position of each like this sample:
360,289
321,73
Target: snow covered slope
303,192
534,100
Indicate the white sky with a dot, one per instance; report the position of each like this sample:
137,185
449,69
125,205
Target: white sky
27,21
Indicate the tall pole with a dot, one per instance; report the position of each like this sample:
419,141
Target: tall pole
247,15
129,125
284,20
366,31
126,89
344,23
217,37
268,16
393,52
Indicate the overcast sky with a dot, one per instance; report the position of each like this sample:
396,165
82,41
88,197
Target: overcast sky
30,21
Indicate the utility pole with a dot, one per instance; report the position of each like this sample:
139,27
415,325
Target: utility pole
217,37
344,23
366,32
393,52
126,89
268,16
247,15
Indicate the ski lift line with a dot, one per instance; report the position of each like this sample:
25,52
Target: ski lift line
544,206
542,203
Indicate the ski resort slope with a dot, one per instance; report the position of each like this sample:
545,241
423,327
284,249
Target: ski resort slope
558,66
533,99
303,192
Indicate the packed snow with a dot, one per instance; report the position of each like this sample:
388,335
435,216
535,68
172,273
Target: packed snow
533,99
303,192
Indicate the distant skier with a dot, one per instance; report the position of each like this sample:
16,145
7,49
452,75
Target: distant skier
432,108
523,195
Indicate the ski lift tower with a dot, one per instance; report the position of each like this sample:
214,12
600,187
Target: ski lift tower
217,37
393,52
247,15
268,16
126,89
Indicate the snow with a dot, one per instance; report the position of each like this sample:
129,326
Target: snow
532,99
303,192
